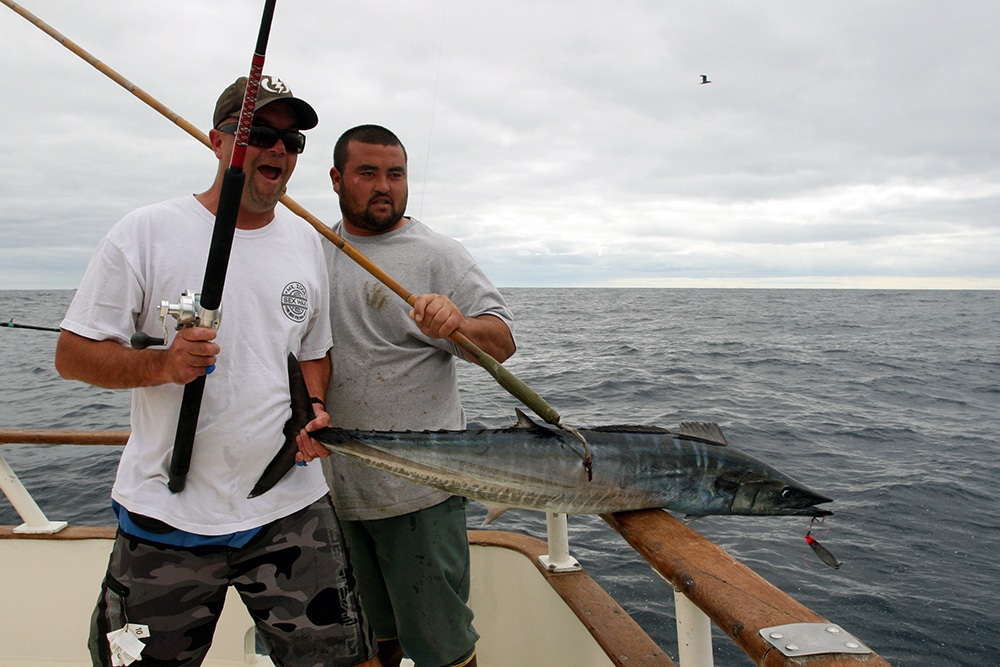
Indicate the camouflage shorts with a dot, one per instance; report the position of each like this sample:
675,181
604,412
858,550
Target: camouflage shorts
293,578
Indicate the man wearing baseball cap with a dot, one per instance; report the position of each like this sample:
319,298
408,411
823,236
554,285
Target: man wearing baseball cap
176,554
271,90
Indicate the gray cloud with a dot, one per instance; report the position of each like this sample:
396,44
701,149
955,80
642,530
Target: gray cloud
843,144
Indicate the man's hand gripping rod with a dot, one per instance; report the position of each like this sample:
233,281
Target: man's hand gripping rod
188,313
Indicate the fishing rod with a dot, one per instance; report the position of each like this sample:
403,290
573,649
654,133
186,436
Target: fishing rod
12,325
516,387
210,298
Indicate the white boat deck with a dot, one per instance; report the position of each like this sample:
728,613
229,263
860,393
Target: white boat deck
50,584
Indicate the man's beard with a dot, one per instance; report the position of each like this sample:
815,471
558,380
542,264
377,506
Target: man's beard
379,223
267,196
375,223
265,199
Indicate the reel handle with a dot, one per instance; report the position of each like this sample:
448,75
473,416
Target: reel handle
141,340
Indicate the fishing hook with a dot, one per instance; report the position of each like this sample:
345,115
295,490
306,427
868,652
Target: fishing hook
588,457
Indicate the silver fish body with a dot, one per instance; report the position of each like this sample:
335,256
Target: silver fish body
538,467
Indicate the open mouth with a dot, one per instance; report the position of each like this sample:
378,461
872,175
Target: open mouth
269,172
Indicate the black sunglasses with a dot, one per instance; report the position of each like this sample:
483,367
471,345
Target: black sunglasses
265,136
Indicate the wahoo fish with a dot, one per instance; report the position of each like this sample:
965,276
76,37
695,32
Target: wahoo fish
533,466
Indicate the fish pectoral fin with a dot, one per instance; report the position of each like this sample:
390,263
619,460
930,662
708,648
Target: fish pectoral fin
705,431
493,512
691,518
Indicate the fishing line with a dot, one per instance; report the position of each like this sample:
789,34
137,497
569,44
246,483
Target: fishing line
430,129
500,409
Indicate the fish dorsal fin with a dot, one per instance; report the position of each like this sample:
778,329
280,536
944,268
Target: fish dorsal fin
527,424
523,420
705,431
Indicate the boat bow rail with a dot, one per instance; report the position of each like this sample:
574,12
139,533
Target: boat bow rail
773,629
751,611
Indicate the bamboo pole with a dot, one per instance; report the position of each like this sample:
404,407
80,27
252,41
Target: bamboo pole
504,377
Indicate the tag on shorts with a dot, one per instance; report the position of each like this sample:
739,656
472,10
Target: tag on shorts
126,644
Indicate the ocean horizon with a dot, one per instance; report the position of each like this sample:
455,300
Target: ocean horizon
884,400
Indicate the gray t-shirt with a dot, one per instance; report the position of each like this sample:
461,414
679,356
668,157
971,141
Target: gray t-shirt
388,376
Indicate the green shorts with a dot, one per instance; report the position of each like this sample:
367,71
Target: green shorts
414,579
293,577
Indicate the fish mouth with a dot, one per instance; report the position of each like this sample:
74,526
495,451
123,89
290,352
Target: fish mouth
804,502
808,511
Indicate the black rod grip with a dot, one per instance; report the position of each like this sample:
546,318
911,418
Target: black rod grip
187,424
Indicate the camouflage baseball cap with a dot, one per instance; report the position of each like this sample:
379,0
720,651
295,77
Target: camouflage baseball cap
272,89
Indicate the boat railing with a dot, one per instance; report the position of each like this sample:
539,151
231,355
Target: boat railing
710,586
35,521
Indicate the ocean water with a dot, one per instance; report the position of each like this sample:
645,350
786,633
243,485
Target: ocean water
886,401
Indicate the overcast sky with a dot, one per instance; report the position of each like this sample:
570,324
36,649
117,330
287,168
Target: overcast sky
565,143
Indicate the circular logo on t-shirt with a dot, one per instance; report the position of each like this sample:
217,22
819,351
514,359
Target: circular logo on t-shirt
295,302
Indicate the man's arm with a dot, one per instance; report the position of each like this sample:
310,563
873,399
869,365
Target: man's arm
438,317
491,335
108,364
316,373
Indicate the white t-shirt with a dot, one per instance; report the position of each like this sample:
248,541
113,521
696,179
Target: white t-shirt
387,375
275,301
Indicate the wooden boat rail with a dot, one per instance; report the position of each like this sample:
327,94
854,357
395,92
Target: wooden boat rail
736,599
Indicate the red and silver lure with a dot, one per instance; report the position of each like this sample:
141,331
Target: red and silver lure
821,551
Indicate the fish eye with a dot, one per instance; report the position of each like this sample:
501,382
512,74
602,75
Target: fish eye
786,492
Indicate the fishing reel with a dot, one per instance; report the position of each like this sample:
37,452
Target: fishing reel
188,313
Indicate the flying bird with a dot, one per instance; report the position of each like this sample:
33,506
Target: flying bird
704,78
